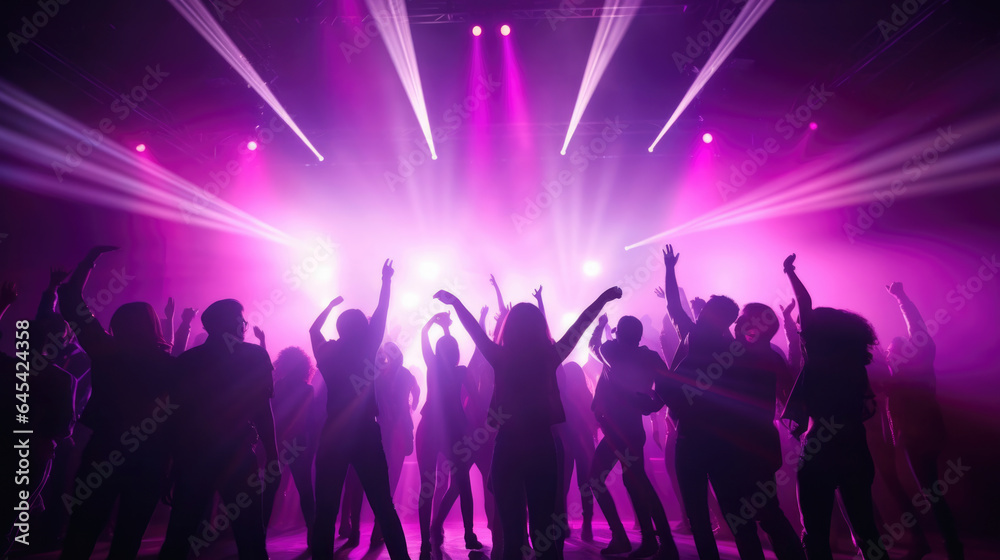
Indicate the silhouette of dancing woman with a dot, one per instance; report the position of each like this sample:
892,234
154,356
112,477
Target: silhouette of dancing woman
525,465
351,435
829,403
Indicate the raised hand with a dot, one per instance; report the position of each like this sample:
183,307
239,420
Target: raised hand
658,292
168,309
789,264
611,294
57,276
669,258
336,301
484,312
493,281
8,294
187,315
446,297
258,333
99,250
896,289
602,320
787,311
443,319
387,269
537,293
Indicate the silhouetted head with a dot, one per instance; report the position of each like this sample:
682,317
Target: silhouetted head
841,336
757,323
136,326
719,312
225,318
293,363
352,325
629,331
524,329
389,356
447,350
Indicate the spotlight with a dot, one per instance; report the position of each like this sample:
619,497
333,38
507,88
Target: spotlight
251,145
140,148
505,30
707,138
591,268
477,31
813,126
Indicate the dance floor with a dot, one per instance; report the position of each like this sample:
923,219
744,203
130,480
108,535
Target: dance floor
291,545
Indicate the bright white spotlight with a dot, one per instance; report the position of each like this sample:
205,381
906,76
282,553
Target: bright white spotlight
477,31
429,270
591,268
505,30
611,28
707,138
205,24
140,148
394,25
251,145
751,13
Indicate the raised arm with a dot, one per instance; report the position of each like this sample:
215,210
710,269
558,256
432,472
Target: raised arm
425,339
686,303
93,338
258,333
183,331
801,294
47,305
675,306
500,304
794,341
315,336
569,340
483,313
538,297
376,326
487,347
594,344
914,322
167,324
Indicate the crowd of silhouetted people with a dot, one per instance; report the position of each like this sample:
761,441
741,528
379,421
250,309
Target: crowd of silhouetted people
126,415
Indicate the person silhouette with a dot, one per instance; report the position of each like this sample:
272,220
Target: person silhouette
131,371
828,405
915,416
351,435
620,401
223,390
698,407
526,399
578,435
296,420
440,432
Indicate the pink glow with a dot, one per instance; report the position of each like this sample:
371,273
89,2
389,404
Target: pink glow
813,126
707,138
140,148
251,145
